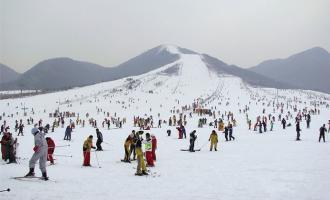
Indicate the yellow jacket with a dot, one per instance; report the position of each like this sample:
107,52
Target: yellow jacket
213,138
88,144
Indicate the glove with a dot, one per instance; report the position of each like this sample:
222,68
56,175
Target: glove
36,148
94,147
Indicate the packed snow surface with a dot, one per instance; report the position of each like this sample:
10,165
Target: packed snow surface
271,165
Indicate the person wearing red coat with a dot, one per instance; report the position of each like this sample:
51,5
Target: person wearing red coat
154,146
180,132
51,149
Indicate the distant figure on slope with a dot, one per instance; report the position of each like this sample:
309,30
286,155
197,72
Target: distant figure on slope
226,133
308,120
193,138
40,152
180,132
99,140
230,130
88,145
298,130
68,131
322,133
214,140
283,123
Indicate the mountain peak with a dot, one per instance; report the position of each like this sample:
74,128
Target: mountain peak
313,52
173,49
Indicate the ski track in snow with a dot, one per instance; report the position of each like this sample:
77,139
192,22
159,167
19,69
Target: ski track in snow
254,166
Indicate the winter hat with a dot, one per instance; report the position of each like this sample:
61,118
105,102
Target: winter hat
91,137
34,131
147,135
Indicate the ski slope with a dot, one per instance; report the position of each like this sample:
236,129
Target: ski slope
271,165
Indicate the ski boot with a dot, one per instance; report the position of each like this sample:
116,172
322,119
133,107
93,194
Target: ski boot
31,172
44,176
144,172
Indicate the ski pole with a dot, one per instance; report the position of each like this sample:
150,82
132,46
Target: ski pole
63,155
7,190
59,146
106,143
98,164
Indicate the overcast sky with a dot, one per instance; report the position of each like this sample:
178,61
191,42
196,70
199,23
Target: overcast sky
108,32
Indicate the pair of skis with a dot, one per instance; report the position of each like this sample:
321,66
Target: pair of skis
32,178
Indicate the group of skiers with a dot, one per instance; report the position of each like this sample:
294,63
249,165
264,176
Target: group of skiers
133,146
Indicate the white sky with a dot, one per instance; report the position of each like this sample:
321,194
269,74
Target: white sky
108,32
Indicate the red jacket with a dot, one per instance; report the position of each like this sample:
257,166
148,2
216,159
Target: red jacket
154,143
51,145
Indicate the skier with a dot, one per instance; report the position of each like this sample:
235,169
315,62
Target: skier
132,147
230,130
193,138
11,146
20,129
214,140
148,149
51,149
298,130
40,152
4,141
154,146
271,125
68,131
308,120
180,131
322,133
283,123
141,167
88,145
127,145
226,133
99,140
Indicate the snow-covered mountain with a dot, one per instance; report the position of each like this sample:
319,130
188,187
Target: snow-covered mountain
62,73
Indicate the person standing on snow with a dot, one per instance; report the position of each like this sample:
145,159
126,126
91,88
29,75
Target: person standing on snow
214,140
193,138
88,145
148,150
283,123
127,145
322,133
308,120
154,146
230,130
226,132
51,149
40,152
68,131
141,167
132,147
298,130
99,140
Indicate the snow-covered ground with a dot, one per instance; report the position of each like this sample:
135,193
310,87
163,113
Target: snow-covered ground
271,165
